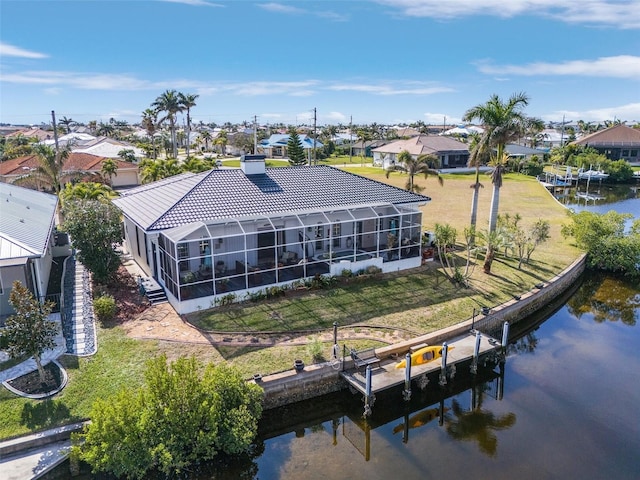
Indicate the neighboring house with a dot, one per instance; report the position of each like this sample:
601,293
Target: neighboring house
276,145
365,149
463,131
75,139
27,239
202,236
616,143
77,163
108,147
450,152
523,152
38,133
550,138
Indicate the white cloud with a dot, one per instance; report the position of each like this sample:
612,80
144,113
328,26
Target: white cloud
440,118
621,66
7,50
335,117
87,81
629,112
280,8
290,10
411,88
271,88
194,3
615,13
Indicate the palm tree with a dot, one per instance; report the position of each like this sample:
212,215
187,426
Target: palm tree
423,165
152,170
67,122
533,128
502,123
222,140
150,124
188,101
205,136
86,191
169,102
50,170
105,129
109,169
363,136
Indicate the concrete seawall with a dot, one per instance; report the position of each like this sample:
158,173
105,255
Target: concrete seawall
320,379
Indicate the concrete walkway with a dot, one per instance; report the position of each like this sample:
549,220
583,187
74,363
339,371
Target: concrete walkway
33,455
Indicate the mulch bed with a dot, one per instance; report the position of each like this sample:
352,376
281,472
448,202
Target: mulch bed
124,289
31,384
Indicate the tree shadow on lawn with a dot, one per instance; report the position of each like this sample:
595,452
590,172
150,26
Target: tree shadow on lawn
47,413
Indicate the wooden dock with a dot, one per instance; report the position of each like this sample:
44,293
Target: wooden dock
388,376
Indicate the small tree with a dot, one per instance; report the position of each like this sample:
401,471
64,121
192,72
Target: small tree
295,152
94,227
28,331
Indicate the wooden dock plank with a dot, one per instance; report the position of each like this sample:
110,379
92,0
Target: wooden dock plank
388,376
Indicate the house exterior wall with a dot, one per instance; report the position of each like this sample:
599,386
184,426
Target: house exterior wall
8,275
125,179
135,241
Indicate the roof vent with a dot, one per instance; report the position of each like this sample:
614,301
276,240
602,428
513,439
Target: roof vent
253,164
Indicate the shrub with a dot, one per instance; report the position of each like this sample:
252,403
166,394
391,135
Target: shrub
346,273
315,348
105,308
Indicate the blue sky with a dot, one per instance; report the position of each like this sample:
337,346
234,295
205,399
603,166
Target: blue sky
384,61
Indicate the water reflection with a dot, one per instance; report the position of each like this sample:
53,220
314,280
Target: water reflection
607,299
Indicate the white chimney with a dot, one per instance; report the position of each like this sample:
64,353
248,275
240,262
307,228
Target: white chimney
253,164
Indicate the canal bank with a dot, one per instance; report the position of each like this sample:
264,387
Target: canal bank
320,379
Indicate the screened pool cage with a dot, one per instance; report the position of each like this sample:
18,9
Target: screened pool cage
213,258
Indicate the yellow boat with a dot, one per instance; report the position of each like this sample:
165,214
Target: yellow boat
424,355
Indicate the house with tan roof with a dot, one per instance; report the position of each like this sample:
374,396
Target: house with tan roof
451,153
78,164
38,133
204,236
616,143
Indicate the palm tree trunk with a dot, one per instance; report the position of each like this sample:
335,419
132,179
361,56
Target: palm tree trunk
174,142
488,260
493,216
188,132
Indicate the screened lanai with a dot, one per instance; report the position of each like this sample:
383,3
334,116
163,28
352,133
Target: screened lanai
212,258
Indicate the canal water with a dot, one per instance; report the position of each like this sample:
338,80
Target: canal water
564,405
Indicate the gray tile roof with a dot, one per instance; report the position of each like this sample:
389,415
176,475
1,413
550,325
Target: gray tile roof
217,194
26,220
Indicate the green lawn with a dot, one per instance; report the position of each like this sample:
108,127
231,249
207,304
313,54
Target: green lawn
412,302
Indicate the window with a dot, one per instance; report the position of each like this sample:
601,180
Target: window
337,233
183,252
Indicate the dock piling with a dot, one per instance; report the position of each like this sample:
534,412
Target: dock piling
505,334
406,394
443,367
367,393
476,354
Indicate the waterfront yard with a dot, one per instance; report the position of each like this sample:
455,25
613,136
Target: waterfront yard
413,302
